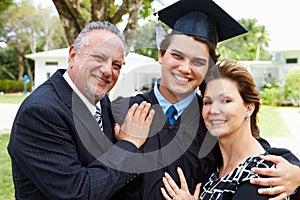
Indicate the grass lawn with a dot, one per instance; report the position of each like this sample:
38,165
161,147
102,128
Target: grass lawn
271,123
12,98
6,183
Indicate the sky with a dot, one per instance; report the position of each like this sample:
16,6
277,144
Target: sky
281,18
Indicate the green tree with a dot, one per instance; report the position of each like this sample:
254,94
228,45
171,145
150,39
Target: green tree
145,40
25,30
4,4
249,46
292,85
76,14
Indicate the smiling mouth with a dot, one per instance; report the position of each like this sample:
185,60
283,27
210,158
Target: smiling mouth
180,78
217,122
100,79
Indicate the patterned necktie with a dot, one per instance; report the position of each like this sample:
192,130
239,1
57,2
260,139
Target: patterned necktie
98,117
171,112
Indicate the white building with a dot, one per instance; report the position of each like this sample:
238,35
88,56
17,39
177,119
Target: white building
139,70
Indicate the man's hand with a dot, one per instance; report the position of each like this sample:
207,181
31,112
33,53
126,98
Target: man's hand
284,179
135,128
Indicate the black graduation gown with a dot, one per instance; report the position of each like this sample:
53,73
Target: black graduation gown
169,148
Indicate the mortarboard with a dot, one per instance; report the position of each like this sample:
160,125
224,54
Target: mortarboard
203,18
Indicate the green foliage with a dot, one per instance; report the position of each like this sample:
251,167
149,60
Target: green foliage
292,86
271,94
10,86
249,46
8,63
6,182
146,8
145,40
27,29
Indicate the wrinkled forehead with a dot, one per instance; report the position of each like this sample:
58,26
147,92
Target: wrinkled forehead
104,37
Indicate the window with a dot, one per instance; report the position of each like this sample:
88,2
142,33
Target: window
291,60
51,63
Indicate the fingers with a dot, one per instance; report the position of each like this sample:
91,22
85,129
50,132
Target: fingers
182,179
271,190
116,128
140,113
266,181
136,126
132,110
150,117
279,197
197,191
170,185
164,193
273,172
274,159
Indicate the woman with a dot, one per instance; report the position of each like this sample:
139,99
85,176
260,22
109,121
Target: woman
230,106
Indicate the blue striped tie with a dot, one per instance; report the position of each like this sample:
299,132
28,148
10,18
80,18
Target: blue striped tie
171,112
98,117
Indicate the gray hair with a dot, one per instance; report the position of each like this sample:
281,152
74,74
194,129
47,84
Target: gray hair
81,41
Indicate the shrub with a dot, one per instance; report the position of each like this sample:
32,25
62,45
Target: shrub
271,94
10,86
292,86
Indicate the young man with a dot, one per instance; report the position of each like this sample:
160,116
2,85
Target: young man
177,136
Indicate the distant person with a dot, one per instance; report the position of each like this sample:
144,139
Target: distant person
57,149
230,106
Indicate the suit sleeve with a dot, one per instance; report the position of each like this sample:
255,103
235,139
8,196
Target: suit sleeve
48,154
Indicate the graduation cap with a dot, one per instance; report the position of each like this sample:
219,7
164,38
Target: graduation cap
203,18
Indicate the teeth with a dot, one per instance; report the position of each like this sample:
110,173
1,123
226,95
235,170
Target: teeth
100,80
217,122
180,78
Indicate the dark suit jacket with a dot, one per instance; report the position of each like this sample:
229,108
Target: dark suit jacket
170,147
55,158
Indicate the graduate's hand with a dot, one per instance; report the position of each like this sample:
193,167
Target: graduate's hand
172,191
135,128
284,178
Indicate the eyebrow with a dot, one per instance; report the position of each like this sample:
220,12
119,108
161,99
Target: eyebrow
221,95
193,58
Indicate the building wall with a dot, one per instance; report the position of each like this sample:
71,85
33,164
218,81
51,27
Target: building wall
45,67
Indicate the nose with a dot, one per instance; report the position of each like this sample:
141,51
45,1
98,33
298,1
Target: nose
215,108
106,69
185,67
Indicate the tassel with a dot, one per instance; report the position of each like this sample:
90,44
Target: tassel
160,34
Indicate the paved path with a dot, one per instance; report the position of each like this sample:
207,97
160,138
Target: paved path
8,113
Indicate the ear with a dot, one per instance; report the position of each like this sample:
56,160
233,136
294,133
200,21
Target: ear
249,109
72,54
160,56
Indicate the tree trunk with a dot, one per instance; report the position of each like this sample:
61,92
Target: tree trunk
130,29
20,66
71,19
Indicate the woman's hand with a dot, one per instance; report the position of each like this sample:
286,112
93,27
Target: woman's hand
172,191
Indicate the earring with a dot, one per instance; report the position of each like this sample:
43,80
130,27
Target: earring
247,116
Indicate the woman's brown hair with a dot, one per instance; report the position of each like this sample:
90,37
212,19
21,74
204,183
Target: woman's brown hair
239,74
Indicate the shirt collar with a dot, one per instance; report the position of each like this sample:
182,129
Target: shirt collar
165,104
88,104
